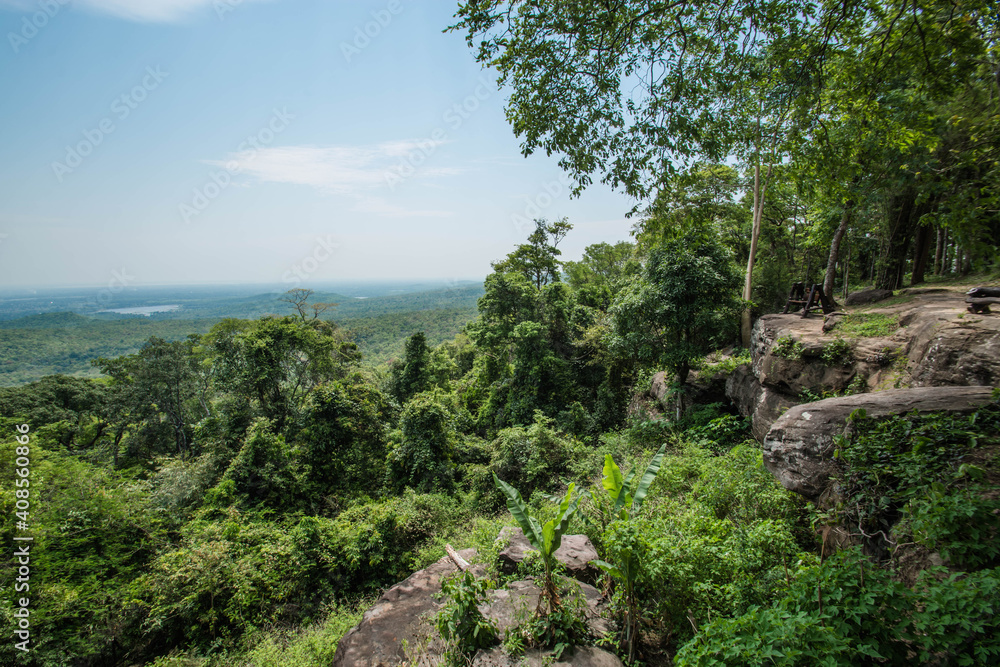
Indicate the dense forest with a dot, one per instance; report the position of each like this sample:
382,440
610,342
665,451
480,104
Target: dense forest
46,343
239,495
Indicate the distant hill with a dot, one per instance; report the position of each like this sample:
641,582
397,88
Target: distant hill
35,345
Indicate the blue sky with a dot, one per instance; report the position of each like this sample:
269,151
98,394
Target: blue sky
188,141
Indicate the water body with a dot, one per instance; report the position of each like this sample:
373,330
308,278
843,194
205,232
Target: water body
142,310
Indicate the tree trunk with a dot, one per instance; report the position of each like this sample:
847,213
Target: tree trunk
902,218
920,254
758,210
939,251
831,264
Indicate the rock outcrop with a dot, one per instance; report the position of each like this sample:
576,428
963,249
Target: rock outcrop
761,404
575,552
798,449
400,615
867,296
936,344
586,656
399,627
509,606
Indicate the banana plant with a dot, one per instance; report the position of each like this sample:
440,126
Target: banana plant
545,538
623,543
627,493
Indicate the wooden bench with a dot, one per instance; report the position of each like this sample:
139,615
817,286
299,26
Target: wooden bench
981,298
815,300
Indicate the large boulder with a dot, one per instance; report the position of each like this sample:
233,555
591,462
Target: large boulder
399,629
510,606
944,349
400,615
575,552
799,447
582,656
762,405
867,296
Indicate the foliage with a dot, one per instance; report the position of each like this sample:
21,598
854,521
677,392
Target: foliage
412,375
681,306
459,621
787,347
343,438
848,612
891,464
867,325
545,538
423,459
531,459
836,352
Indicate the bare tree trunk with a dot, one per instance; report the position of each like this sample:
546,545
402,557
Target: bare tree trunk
939,251
920,255
831,264
758,210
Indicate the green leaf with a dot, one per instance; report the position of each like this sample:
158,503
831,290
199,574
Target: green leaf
647,477
609,568
519,510
612,481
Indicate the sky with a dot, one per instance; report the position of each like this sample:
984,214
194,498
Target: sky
224,141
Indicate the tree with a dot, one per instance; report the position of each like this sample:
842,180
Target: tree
274,361
595,277
343,437
680,307
413,374
536,259
422,460
162,380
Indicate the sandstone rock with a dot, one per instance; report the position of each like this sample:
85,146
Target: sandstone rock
762,404
510,606
399,615
575,552
867,296
799,446
831,320
585,656
945,350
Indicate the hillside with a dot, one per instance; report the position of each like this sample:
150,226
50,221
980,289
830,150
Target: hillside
63,342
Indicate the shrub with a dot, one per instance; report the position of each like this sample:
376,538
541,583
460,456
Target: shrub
787,347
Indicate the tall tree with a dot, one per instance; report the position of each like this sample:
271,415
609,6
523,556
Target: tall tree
679,308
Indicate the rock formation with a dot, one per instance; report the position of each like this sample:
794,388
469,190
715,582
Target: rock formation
575,552
936,344
799,447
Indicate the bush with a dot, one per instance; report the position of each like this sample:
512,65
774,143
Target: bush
423,458
848,612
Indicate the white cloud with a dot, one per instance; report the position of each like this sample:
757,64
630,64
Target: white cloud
145,11
349,170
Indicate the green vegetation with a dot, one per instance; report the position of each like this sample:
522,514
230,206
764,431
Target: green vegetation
836,352
34,346
787,347
867,325
460,621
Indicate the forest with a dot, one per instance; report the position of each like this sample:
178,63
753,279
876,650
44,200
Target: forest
240,495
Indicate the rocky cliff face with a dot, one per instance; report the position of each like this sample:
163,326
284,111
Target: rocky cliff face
937,343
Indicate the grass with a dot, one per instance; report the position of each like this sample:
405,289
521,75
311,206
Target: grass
867,325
